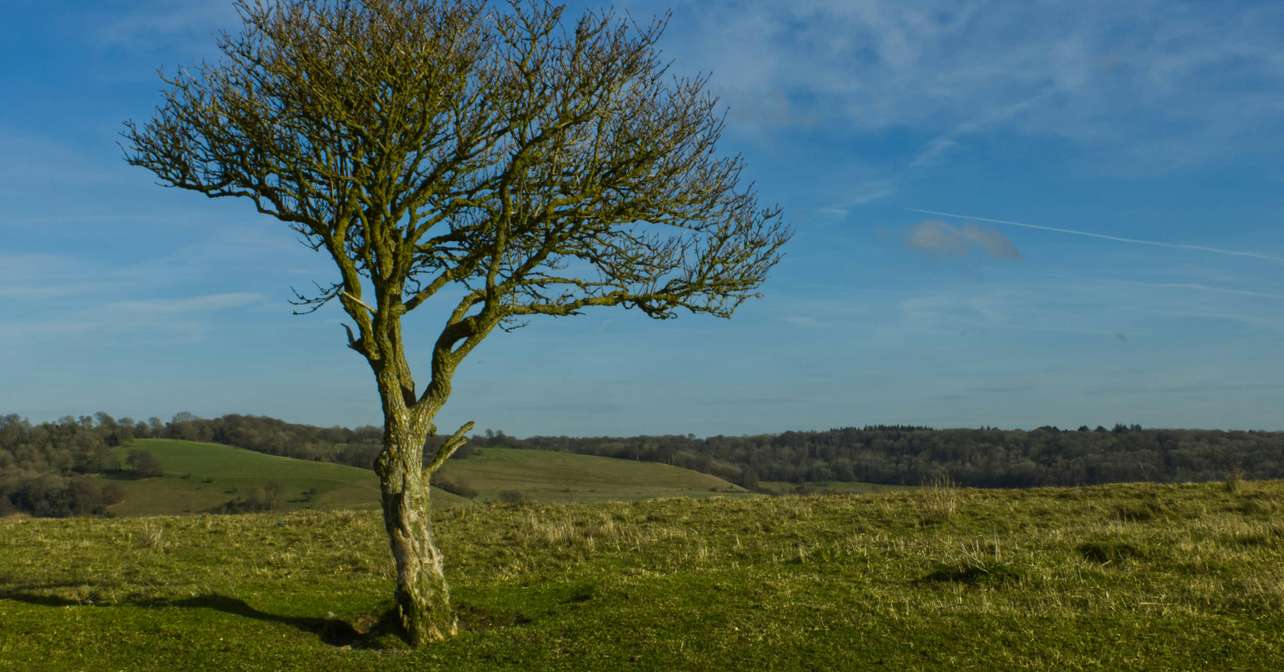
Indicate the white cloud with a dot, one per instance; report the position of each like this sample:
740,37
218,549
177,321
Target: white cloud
1152,83
935,236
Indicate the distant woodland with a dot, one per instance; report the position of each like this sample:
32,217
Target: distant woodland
68,467
983,458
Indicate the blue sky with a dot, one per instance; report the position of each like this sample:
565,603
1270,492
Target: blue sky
1150,121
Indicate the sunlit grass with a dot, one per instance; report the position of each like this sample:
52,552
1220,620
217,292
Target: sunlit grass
1113,577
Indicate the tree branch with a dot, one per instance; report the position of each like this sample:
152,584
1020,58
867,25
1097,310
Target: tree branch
452,444
363,304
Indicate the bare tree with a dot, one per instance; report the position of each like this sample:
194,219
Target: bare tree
498,158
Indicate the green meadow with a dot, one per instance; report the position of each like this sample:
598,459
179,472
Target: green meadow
201,477
827,487
553,476
1125,577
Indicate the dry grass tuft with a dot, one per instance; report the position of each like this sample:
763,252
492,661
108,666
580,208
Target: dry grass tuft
1234,483
938,502
151,535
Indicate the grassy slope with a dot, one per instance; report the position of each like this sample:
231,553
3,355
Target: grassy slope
1107,578
201,476
553,476
828,487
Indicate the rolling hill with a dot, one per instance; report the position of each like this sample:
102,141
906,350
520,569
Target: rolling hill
201,477
553,476
204,477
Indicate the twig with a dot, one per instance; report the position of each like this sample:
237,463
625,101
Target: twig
363,303
455,442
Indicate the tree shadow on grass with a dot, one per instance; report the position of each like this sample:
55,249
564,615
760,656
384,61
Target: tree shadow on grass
331,630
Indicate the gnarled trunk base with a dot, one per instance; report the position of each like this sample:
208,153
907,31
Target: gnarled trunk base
423,598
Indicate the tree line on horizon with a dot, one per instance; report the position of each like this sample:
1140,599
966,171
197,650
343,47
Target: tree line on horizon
54,468
986,457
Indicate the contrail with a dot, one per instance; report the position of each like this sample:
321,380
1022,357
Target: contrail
1205,288
1102,236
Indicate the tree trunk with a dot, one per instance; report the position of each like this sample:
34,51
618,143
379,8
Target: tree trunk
423,598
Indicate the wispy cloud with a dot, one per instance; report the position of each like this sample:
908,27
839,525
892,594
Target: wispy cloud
1199,389
1102,236
934,152
27,293
1088,308
151,22
937,237
858,194
191,304
37,161
1153,83
34,276
740,402
168,298
181,319
1200,287
805,321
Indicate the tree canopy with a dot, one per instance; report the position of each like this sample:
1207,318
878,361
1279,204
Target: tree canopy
540,167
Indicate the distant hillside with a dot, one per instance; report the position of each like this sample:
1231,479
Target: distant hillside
880,454
547,476
201,477
54,468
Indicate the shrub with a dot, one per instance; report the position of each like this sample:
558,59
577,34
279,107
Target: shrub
514,497
1108,552
143,464
258,501
54,496
454,487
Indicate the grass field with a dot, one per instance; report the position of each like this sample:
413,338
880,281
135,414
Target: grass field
828,487
200,477
1133,577
552,476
